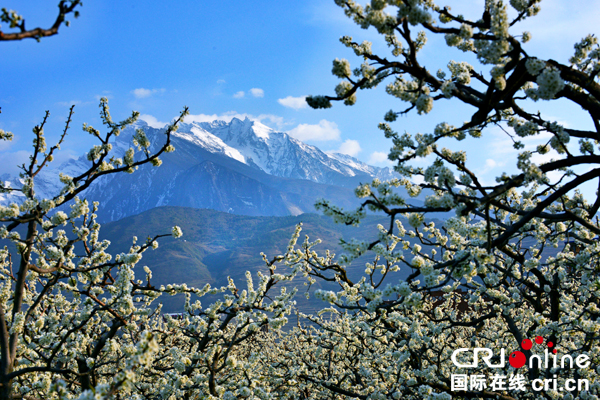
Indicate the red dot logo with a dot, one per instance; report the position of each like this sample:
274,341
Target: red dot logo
517,359
539,339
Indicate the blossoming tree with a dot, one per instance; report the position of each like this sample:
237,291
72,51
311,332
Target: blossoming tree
519,259
78,322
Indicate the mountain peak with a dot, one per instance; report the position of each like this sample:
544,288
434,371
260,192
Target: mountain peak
261,130
235,121
140,123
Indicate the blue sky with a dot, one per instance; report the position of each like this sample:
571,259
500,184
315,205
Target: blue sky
239,58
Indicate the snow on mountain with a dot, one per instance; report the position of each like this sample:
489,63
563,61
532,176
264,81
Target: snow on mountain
211,143
279,154
357,165
47,183
242,167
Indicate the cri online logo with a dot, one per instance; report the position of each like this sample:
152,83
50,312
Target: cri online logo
517,359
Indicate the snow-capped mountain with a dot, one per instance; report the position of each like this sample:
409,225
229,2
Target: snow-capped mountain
277,153
242,167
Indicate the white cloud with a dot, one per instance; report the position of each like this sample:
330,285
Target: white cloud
501,144
417,179
239,94
221,81
294,102
257,92
7,144
142,93
275,120
152,121
11,160
350,147
324,130
65,155
379,158
490,163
